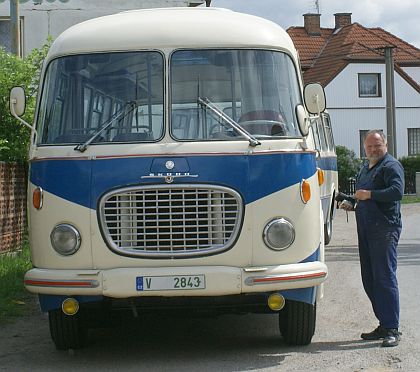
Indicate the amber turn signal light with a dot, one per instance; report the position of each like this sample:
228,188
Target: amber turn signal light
305,191
37,198
321,177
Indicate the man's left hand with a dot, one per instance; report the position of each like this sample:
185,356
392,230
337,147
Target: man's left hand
362,194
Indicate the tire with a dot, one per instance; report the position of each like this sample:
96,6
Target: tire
328,231
297,323
67,332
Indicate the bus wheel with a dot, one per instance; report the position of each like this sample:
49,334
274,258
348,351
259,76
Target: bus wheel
297,322
67,331
328,229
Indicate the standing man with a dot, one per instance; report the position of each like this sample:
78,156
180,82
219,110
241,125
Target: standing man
379,189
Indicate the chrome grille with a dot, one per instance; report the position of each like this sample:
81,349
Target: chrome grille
169,221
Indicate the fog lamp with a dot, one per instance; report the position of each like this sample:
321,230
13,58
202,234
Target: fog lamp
276,301
70,306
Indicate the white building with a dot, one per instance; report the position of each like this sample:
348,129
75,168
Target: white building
41,18
349,62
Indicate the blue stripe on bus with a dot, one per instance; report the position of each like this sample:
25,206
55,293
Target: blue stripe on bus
327,163
254,176
53,302
307,295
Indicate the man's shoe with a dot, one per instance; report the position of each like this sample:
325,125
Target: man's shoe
377,334
392,338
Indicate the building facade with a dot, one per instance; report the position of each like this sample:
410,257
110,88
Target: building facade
41,18
348,60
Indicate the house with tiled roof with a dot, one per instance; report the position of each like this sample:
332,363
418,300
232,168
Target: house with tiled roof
348,60
42,18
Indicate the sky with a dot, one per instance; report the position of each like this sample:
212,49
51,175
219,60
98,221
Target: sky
400,17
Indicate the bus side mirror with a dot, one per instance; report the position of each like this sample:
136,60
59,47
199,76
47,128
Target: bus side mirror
17,106
314,96
302,120
17,101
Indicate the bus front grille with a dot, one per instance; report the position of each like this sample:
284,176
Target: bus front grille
171,221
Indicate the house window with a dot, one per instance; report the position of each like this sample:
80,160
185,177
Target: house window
370,85
413,141
6,34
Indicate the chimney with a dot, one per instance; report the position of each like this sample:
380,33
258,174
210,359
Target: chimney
342,19
312,24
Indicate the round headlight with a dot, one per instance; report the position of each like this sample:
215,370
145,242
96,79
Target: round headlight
65,239
279,234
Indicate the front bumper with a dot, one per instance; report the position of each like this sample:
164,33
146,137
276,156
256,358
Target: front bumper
220,280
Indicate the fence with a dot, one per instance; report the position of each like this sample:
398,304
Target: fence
349,187
12,205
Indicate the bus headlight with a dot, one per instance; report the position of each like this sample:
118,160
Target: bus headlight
279,234
65,239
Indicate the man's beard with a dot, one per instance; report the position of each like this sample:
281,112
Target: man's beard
374,158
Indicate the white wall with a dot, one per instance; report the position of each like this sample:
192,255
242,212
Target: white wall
414,73
350,113
52,17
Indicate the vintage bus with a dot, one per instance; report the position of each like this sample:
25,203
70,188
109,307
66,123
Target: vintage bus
176,163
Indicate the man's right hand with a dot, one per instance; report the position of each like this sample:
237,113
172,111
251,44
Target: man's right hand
346,205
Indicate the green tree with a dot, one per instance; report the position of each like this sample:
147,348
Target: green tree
411,164
348,165
15,71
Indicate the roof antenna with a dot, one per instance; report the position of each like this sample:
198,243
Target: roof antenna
317,6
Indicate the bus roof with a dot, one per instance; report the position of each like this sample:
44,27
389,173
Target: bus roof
171,28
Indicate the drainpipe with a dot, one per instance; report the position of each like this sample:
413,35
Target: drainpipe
390,102
14,27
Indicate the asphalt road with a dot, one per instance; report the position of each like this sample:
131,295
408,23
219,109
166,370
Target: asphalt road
249,342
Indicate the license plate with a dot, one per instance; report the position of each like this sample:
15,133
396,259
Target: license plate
170,282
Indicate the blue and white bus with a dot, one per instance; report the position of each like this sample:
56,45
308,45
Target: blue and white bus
173,165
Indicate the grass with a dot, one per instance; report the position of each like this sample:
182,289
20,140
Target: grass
408,199
14,299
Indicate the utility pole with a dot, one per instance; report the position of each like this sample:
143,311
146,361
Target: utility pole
15,27
390,102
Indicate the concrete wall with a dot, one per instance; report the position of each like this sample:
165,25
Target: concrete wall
52,17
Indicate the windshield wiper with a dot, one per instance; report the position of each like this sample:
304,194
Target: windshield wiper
127,108
227,119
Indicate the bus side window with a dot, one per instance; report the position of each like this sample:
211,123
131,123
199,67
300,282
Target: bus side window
328,132
321,133
315,134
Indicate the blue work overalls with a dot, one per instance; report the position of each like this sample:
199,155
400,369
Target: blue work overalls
378,239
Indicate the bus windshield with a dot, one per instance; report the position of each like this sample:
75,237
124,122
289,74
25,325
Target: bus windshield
121,92
257,89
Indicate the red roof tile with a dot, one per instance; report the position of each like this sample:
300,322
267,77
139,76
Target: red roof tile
311,44
324,56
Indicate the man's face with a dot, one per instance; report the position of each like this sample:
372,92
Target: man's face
375,148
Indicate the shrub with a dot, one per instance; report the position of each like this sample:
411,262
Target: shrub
411,165
348,165
14,71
